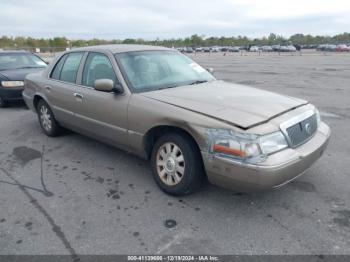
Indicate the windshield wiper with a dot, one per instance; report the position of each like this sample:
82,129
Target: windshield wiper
166,87
198,82
26,67
191,83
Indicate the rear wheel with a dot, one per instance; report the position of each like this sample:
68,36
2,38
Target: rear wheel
177,165
3,103
47,120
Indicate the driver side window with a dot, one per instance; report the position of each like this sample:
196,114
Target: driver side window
97,66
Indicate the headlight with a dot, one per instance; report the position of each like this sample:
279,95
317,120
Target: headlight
244,147
273,142
230,144
12,83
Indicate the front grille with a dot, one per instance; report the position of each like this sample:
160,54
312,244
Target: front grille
302,131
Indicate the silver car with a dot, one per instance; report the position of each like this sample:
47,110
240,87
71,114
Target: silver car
159,104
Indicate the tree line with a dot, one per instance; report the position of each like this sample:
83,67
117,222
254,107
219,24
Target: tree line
58,43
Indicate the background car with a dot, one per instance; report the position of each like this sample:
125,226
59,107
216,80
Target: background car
189,50
14,66
254,49
225,49
206,49
287,48
267,48
342,48
276,48
327,48
234,49
215,49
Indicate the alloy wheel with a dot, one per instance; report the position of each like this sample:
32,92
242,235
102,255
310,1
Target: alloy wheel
45,118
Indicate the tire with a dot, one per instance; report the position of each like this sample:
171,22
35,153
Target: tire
47,120
3,103
176,164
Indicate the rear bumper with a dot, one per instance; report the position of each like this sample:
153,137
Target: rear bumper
11,94
279,168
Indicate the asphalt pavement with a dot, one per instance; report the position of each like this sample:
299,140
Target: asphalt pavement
73,195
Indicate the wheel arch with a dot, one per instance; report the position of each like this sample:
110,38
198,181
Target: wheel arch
37,98
156,132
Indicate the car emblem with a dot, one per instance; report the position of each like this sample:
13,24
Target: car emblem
308,128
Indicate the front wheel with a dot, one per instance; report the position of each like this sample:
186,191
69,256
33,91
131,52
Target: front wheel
47,120
176,164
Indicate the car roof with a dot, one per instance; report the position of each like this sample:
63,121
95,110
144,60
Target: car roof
14,52
123,48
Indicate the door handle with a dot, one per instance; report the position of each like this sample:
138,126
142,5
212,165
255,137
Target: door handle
77,95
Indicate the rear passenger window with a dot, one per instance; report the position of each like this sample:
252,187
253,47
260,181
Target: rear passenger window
58,67
97,66
70,67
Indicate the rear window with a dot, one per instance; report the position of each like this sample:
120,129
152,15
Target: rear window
70,67
58,67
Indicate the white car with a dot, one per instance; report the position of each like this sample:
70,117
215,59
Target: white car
288,48
254,49
215,49
266,48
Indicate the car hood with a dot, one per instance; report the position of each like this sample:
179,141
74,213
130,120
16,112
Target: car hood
235,104
18,74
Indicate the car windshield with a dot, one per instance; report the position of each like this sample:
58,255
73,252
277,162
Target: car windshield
154,70
10,61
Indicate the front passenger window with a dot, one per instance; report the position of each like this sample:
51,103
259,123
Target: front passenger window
97,66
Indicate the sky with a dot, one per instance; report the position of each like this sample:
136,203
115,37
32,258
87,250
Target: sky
163,19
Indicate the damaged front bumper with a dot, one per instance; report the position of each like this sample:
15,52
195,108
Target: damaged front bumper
277,170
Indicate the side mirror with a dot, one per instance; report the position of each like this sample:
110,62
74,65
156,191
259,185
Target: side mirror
210,70
107,85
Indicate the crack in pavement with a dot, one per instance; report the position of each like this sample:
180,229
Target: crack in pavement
27,187
55,228
46,192
25,155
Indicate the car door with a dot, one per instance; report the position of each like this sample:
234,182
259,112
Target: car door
61,85
101,114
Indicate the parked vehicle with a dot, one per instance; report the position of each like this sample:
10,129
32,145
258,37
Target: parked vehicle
224,49
297,47
215,49
327,48
288,48
276,48
342,48
244,48
14,66
206,49
199,49
234,49
180,49
189,50
267,48
161,105
311,46
254,49
291,48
